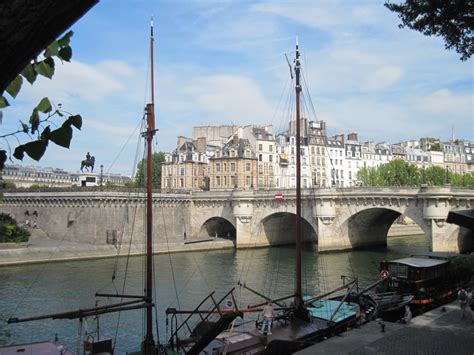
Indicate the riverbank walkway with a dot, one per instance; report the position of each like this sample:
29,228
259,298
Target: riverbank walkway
40,248
440,331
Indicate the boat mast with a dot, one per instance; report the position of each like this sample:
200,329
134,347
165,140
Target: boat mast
298,291
148,344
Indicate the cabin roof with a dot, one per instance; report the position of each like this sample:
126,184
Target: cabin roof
419,262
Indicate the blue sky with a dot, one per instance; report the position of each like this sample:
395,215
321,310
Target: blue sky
222,62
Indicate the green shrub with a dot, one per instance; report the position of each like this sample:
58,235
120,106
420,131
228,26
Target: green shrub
10,231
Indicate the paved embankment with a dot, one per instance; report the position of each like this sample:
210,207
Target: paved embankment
435,332
41,249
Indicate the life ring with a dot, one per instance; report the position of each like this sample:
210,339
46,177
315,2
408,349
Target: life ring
384,274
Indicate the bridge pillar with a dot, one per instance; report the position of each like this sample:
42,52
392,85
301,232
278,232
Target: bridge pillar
442,236
243,212
329,237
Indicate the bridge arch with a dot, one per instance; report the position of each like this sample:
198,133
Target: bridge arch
217,227
369,227
279,229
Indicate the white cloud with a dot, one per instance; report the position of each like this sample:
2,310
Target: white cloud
80,81
382,78
444,102
229,98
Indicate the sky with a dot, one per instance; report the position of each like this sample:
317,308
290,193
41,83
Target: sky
223,62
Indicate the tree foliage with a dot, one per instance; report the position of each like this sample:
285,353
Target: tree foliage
401,173
37,125
10,231
158,158
450,19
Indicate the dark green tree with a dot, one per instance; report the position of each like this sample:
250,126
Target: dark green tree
433,176
10,231
451,19
401,173
158,159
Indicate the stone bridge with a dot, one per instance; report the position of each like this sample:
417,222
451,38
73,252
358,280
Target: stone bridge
335,219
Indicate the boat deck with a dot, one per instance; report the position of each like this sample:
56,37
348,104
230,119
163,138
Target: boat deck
248,337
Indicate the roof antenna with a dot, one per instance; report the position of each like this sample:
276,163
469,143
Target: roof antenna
291,69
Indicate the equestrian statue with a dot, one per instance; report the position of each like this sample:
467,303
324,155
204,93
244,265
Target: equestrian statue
88,163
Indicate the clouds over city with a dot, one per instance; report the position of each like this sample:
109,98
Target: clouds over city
222,62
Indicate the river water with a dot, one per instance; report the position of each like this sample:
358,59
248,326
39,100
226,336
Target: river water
182,279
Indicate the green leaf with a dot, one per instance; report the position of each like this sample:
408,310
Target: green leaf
3,102
19,152
62,136
29,73
3,159
64,40
52,49
14,87
34,121
25,127
35,149
46,67
65,53
75,120
45,134
44,105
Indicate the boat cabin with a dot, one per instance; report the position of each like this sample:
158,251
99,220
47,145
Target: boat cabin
427,278
416,268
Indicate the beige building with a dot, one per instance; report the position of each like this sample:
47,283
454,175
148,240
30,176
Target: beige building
187,168
233,166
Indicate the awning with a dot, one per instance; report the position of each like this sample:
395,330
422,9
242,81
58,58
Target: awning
464,218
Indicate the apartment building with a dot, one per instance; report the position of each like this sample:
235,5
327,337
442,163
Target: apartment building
233,166
353,161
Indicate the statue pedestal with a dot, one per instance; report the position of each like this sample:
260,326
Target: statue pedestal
88,179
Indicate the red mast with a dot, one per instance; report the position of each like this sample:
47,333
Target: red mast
298,291
148,344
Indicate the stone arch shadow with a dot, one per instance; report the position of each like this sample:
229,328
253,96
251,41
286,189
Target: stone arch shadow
279,229
369,227
217,227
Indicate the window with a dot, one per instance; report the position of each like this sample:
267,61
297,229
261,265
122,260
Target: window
218,181
270,148
292,150
260,157
218,167
247,166
233,181
312,150
247,181
182,172
270,158
225,167
232,167
225,180
260,147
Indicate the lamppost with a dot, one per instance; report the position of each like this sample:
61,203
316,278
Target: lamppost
101,174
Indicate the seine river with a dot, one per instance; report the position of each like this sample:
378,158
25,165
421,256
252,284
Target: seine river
182,279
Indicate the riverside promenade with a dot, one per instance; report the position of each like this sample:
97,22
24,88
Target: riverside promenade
41,249
435,332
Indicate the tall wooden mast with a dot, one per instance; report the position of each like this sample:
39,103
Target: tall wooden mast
148,344
298,291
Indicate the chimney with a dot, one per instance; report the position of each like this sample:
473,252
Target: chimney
235,139
352,137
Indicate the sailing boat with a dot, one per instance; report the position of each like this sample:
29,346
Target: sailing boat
212,327
101,345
